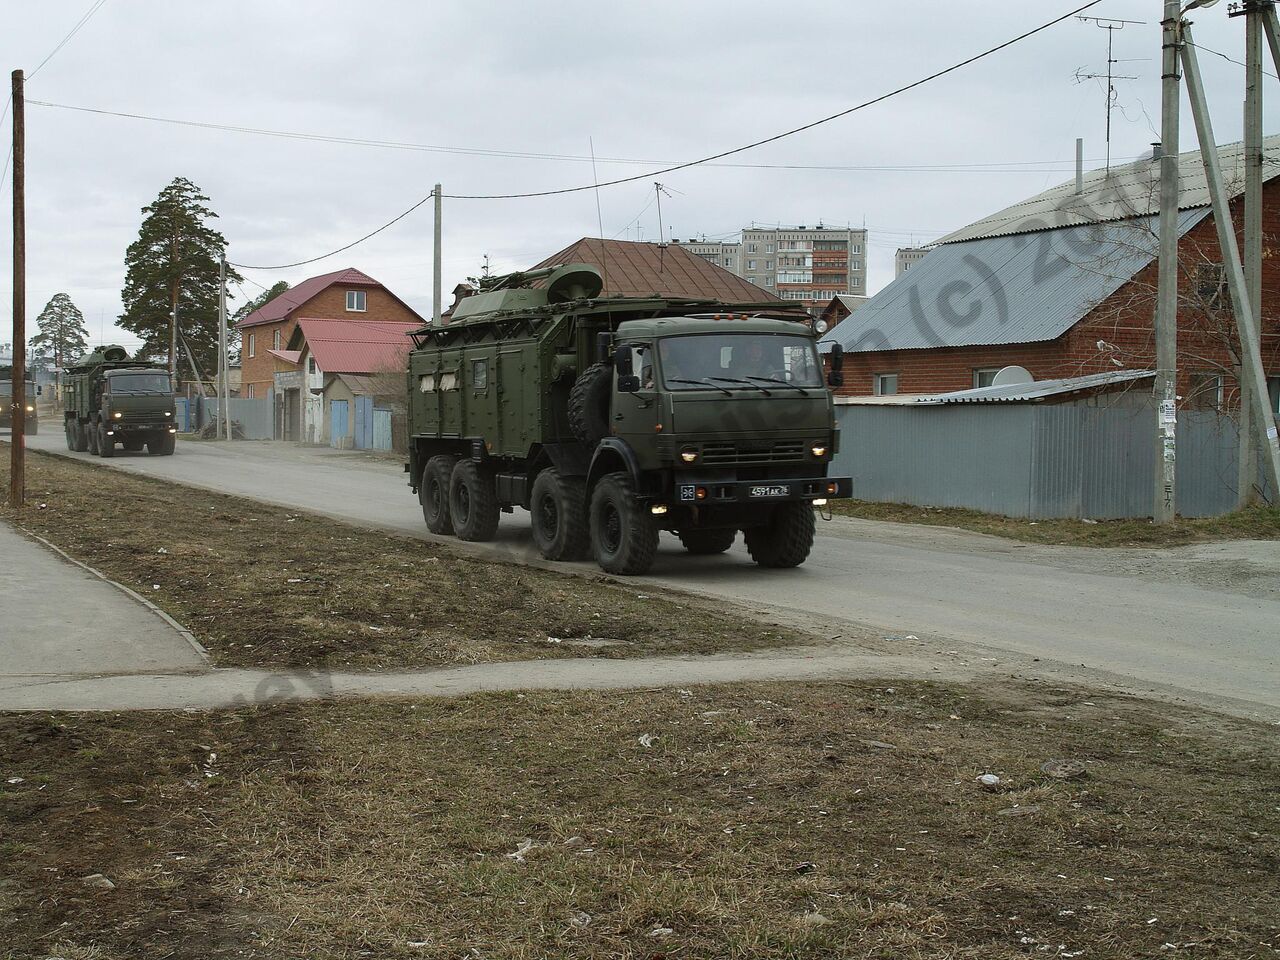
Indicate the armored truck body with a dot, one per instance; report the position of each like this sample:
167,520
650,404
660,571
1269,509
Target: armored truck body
111,399
610,419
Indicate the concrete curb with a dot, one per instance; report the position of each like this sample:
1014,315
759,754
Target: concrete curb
133,594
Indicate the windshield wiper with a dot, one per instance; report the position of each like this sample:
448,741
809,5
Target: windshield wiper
781,382
766,392
700,383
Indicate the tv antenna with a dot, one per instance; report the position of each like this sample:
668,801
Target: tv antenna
659,190
1111,26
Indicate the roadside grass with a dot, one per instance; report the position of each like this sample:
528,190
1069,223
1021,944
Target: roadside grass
263,586
1256,523
761,820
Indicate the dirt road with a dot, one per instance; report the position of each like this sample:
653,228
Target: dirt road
1203,619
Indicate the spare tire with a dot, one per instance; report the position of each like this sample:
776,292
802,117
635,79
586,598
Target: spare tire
589,404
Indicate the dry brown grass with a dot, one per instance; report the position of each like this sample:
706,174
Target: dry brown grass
263,586
762,821
1257,523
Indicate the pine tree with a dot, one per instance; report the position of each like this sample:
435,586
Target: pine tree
63,337
174,264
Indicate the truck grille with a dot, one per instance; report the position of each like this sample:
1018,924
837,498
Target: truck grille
788,451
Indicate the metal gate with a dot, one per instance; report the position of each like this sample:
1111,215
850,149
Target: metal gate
381,429
364,423
338,418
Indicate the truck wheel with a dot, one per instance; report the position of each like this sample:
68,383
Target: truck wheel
707,541
473,502
559,516
589,404
80,435
624,537
433,493
106,445
68,426
32,428
786,540
91,438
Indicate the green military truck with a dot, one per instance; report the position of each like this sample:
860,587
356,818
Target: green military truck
31,419
610,419
110,399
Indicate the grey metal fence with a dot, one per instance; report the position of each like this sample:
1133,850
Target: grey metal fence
255,416
1034,460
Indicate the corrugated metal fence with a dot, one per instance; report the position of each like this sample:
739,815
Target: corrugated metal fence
255,416
1034,460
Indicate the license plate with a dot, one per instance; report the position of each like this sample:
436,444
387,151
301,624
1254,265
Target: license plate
770,491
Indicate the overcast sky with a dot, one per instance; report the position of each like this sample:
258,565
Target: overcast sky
660,81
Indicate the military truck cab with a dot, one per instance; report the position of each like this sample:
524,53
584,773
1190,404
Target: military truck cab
31,413
111,399
611,419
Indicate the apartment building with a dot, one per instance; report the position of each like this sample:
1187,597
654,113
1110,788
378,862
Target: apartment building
802,263
906,258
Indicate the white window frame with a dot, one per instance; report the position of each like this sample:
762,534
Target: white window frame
357,301
275,339
252,346
878,384
978,373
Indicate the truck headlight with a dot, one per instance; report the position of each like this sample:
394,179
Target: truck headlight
117,415
30,408
689,455
168,414
819,450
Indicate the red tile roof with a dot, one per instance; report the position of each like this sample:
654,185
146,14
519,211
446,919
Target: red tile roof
634,269
288,356
278,308
355,346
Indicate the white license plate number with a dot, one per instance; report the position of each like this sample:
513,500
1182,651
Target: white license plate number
770,491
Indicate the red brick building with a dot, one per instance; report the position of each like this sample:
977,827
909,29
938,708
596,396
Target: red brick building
342,295
1064,284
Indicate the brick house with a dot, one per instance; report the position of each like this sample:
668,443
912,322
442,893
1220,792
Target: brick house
346,294
1064,285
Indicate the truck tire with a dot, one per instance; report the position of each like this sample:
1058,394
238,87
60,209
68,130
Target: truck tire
559,516
624,536
69,428
786,540
106,445
433,494
473,502
707,541
589,404
163,446
81,432
32,428
91,438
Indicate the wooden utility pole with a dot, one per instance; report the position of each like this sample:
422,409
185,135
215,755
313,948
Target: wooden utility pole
1253,160
436,263
224,402
17,434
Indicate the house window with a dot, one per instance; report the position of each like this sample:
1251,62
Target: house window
251,345
751,248
751,264
728,261
311,364
1205,392
1273,389
1211,285
985,376
479,374
768,248
275,340
355,301
885,384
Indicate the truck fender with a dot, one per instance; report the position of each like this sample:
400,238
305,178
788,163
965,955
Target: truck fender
611,455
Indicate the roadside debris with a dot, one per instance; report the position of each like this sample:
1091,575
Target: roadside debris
98,882
661,932
1064,769
522,848
990,781
647,739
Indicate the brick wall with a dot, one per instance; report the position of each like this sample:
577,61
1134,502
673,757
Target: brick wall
1123,322
329,304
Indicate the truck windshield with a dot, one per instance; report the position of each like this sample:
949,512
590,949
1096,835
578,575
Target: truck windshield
6,390
712,361
139,383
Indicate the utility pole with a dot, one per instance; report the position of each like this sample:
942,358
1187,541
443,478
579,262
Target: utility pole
1164,507
435,290
224,401
1241,305
17,433
1253,159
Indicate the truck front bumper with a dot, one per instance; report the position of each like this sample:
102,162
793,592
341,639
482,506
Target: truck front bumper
124,428
691,491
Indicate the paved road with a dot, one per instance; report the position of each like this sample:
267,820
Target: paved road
1204,620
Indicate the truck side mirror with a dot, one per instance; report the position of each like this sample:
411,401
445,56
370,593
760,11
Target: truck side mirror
39,391
836,377
624,366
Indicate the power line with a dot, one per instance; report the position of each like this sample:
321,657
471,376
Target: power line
693,163
1238,63
67,39
1000,166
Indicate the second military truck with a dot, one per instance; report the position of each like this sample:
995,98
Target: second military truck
31,418
111,399
613,418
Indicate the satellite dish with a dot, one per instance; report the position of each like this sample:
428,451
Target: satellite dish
1012,376
574,281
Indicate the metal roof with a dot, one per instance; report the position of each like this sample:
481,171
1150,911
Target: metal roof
1131,190
1032,392
1004,289
632,269
354,346
283,305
